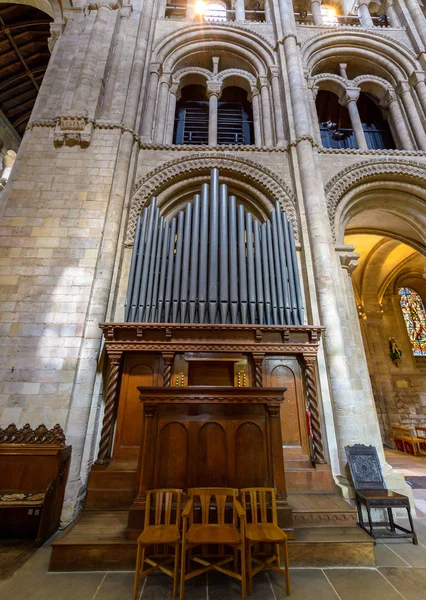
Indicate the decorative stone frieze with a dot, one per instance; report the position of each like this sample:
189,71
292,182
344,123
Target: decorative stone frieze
73,130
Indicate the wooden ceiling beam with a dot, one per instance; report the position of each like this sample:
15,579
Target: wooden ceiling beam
18,53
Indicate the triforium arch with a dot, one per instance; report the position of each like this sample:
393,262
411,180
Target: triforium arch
174,182
377,69
229,56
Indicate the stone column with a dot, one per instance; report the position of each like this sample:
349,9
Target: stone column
154,75
417,81
364,14
316,12
255,104
418,17
343,390
403,89
313,91
350,99
240,11
91,57
190,9
391,14
276,98
214,90
125,13
171,115
163,97
391,102
267,12
266,112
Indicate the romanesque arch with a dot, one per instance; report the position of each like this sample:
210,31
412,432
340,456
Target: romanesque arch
262,185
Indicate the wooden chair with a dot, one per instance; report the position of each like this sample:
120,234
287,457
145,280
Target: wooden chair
205,524
406,441
421,437
163,507
261,528
371,491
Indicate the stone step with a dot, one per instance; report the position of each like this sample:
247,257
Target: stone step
321,510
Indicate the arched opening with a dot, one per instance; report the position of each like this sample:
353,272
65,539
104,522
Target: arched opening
376,128
414,314
192,116
234,117
334,122
388,287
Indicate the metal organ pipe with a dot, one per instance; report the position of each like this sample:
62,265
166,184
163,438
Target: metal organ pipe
214,263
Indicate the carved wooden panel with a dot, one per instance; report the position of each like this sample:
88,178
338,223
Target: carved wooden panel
222,446
285,371
138,370
172,453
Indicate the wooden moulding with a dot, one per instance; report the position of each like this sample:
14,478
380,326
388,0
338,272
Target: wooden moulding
161,337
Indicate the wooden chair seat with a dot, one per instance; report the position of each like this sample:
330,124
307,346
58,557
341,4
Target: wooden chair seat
163,507
265,532
216,512
371,491
213,534
262,532
159,534
377,497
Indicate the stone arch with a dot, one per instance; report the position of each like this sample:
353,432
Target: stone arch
392,185
265,186
53,8
250,46
330,82
387,56
182,73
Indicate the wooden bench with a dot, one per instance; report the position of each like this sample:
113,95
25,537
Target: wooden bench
34,465
421,435
407,442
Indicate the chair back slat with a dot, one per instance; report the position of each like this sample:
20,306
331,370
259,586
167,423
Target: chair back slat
260,505
163,507
213,503
364,466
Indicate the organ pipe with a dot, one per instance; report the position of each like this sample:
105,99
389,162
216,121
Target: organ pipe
214,263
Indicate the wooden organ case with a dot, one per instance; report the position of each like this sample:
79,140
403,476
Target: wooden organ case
208,405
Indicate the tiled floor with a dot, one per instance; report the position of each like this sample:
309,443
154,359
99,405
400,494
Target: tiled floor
400,573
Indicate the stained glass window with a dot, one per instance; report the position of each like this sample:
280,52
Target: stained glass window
415,320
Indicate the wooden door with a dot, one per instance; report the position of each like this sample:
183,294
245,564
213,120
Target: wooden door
138,370
285,371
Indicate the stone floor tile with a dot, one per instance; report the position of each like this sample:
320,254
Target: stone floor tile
354,584
117,586
158,586
386,557
306,584
221,587
415,556
410,582
60,586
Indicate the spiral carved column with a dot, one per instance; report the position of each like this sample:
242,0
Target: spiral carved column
258,369
104,454
311,391
168,364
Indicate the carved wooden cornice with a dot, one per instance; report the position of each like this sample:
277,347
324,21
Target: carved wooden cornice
215,395
27,435
177,337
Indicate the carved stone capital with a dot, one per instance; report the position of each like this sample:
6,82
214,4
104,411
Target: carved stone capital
402,87
263,82
348,258
155,68
416,77
126,11
105,4
388,98
274,72
349,95
55,31
214,88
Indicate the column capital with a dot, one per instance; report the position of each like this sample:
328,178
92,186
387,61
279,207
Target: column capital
253,92
263,81
214,88
349,95
165,78
155,68
342,68
416,77
104,4
348,258
126,11
363,2
402,87
274,71
389,97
